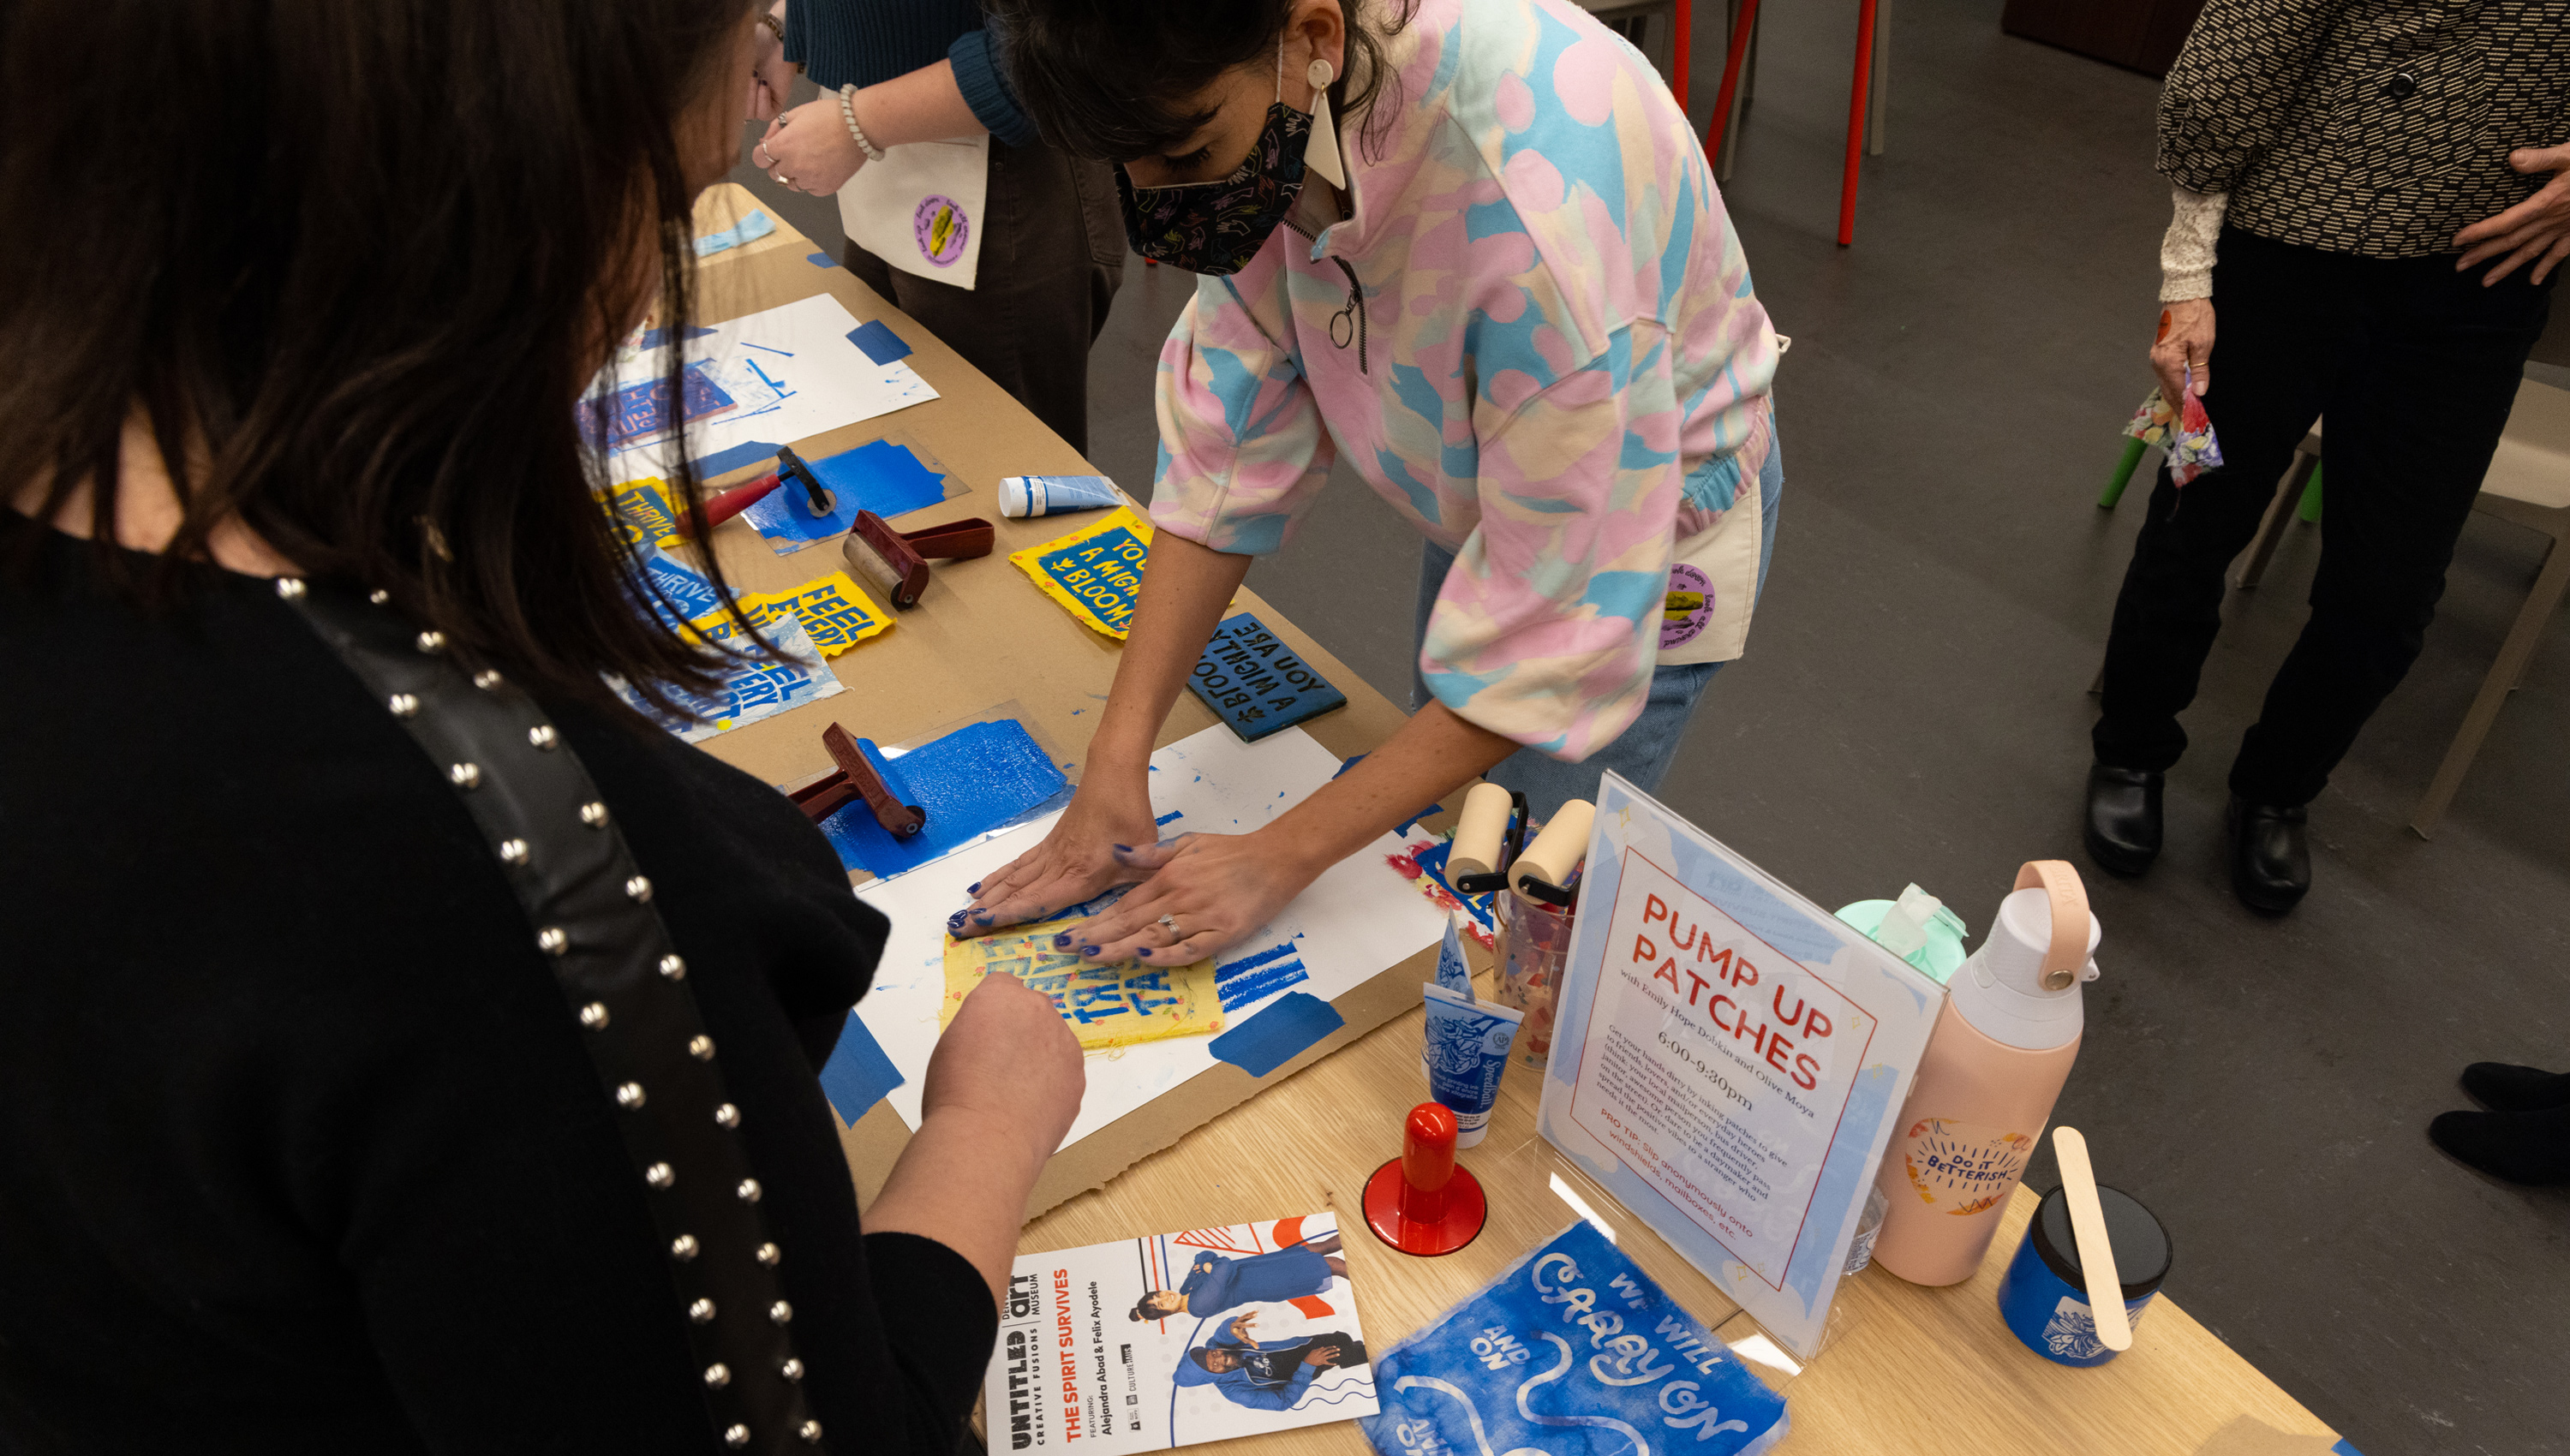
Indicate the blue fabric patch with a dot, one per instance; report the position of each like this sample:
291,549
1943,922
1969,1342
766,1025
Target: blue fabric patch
1256,683
970,781
881,476
1256,977
1278,1034
1527,1362
879,342
820,260
748,230
748,452
686,594
858,1074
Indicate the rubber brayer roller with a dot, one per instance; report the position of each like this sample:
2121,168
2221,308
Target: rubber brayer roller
1543,871
894,563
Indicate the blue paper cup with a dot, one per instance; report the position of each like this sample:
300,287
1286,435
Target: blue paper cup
2043,1298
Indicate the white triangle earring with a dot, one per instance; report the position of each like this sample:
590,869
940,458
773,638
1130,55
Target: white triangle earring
1321,153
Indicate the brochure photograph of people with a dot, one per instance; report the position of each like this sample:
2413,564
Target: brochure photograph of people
1179,1338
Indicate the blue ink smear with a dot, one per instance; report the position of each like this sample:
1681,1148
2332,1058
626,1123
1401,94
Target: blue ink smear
881,476
820,260
1347,763
721,462
879,342
1256,683
1433,861
970,781
748,230
1253,978
1278,1034
659,338
1173,814
858,1073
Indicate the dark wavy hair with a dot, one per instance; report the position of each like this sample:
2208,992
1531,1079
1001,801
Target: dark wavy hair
355,263
1110,78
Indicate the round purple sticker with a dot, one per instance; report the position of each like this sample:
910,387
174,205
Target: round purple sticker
941,228
1688,608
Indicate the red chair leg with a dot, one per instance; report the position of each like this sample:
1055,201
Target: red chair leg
1856,120
1741,30
1681,16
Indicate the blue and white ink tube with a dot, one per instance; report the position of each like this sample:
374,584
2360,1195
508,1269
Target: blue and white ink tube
1467,1050
1021,496
1454,973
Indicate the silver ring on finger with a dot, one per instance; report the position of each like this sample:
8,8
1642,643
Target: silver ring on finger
783,181
1170,924
758,149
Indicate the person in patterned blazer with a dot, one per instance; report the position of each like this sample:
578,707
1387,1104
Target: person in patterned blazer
2361,189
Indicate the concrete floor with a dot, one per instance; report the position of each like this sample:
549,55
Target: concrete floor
1912,708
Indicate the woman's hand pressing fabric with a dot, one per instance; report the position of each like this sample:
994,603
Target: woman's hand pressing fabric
1076,863
1213,889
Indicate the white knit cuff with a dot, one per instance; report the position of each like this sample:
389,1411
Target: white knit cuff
2186,253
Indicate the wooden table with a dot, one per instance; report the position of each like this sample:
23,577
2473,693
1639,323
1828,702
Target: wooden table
1907,1369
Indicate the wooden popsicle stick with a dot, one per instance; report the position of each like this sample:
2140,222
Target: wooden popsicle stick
2088,1227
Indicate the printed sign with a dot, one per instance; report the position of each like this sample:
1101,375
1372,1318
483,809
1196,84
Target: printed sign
1728,1059
640,510
1096,573
1256,683
1574,1336
1147,1344
639,413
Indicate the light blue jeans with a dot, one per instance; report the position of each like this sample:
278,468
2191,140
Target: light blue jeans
1643,752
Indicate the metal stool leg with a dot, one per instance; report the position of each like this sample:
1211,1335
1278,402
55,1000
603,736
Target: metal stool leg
2271,526
2513,655
1877,119
1856,120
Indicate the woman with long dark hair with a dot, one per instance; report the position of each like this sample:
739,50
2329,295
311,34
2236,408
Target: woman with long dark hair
1472,247
403,1046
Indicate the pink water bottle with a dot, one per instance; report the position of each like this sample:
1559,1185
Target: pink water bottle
2002,1047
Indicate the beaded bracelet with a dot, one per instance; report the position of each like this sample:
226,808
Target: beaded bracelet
848,113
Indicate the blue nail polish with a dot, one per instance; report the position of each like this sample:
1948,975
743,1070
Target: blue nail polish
1061,942
972,889
1145,952
1089,950
955,922
1124,849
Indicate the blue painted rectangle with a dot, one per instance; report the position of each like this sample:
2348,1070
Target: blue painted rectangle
1256,683
879,342
881,476
1256,977
748,452
1278,1034
820,260
970,781
858,1073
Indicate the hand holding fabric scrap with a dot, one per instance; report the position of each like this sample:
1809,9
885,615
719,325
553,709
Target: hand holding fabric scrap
2187,433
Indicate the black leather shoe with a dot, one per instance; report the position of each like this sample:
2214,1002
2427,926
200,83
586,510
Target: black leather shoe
2271,859
2504,1088
2123,818
2531,1148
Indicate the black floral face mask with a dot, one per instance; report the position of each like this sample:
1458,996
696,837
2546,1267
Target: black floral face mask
1217,226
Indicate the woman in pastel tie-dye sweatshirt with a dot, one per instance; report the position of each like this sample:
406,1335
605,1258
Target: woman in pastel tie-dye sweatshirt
1522,318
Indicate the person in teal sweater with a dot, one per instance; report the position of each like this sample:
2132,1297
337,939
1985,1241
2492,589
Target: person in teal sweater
1051,237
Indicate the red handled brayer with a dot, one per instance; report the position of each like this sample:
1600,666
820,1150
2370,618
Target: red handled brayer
1421,1203
855,778
894,563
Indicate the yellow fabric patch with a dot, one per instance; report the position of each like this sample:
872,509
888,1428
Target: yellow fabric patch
641,510
1095,571
1106,1005
835,611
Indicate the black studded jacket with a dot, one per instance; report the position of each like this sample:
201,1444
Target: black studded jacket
300,1150
2372,127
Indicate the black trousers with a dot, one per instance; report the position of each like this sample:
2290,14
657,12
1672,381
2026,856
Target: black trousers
1052,256
2416,366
